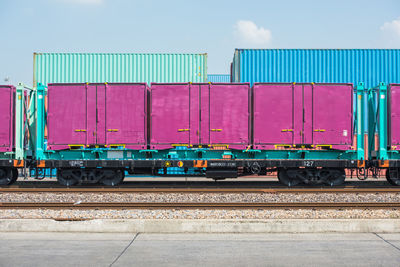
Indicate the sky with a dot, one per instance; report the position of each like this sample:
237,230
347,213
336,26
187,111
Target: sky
174,26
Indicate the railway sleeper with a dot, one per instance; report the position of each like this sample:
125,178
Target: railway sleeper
74,176
311,176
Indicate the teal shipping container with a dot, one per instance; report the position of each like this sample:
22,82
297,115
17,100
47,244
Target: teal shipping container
219,78
118,68
370,66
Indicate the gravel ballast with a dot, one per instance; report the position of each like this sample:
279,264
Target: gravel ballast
82,214
200,197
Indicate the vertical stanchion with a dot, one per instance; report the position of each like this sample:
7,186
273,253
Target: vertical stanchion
19,122
360,121
383,127
40,121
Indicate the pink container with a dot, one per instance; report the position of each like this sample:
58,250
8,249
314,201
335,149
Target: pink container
286,114
214,114
394,113
7,98
97,114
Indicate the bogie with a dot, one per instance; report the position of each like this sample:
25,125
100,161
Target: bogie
106,176
311,176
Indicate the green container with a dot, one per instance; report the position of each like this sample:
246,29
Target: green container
118,68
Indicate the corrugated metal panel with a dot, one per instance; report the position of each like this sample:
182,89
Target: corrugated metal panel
219,78
370,66
114,68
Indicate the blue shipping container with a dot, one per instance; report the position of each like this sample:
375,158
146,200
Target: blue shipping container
219,78
370,66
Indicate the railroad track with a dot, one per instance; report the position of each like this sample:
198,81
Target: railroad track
199,190
186,205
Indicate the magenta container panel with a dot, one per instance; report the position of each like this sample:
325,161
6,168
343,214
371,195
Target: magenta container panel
200,114
317,115
97,114
7,94
394,122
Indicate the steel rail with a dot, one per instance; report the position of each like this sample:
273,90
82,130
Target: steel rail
196,205
198,190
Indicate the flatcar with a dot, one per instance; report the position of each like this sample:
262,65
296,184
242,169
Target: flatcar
96,133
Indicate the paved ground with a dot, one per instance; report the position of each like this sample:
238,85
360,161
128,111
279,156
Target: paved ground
74,249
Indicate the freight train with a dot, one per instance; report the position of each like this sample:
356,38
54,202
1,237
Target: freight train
308,133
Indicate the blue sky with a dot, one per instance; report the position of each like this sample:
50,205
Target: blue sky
213,27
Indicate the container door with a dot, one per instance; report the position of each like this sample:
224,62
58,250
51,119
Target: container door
196,113
395,114
273,115
229,115
302,105
67,116
170,123
332,114
204,104
100,116
125,119
6,111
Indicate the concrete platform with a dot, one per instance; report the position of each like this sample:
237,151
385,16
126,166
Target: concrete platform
138,249
204,226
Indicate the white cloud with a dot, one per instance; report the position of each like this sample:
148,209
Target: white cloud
390,34
83,2
250,34
392,27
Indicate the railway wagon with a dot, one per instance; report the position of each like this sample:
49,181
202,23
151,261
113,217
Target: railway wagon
199,129
384,130
12,132
93,126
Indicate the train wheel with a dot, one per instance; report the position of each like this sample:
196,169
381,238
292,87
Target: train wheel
7,176
113,177
336,177
393,176
285,178
68,177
